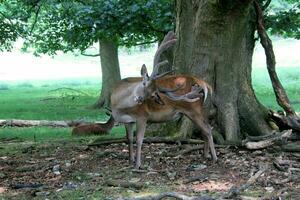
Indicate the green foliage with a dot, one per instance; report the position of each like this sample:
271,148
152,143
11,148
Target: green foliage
283,18
12,19
68,25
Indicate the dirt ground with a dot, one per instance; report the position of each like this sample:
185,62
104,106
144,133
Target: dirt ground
72,170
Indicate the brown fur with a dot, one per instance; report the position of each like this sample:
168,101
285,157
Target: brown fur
93,129
169,82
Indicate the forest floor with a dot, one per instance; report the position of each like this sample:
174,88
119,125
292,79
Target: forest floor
70,169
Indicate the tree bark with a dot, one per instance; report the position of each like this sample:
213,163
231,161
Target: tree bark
215,43
110,71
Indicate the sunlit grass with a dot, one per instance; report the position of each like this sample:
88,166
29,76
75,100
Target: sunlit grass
290,79
72,100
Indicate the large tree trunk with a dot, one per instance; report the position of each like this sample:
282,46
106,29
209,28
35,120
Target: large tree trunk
215,42
110,71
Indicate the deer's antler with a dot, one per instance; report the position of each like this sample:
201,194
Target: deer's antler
168,41
194,95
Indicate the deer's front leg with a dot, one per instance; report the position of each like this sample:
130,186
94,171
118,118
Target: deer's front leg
129,134
140,131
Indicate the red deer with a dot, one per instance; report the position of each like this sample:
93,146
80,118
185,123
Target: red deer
93,129
160,98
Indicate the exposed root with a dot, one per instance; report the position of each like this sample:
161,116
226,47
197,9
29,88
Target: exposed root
283,136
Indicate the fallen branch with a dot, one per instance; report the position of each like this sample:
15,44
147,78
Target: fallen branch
291,148
70,89
124,184
270,141
33,123
201,177
235,191
175,195
148,140
26,185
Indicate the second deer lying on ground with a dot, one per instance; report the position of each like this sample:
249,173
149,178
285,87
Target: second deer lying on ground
93,129
160,98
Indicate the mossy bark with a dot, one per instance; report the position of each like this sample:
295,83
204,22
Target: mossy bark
110,71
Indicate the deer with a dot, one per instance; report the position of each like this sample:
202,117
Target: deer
157,98
94,129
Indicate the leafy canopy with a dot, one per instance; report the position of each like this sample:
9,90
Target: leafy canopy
68,25
283,18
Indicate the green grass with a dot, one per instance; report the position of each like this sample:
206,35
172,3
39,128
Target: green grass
290,79
52,102
71,100
60,100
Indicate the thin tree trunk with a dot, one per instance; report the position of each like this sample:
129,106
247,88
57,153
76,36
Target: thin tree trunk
282,99
110,71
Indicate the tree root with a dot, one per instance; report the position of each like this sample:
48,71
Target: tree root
286,121
175,195
283,136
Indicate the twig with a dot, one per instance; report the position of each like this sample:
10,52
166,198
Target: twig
90,55
235,191
26,185
201,177
147,140
124,184
175,195
66,88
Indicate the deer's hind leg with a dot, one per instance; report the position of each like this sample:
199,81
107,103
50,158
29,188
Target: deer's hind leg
206,131
140,131
129,134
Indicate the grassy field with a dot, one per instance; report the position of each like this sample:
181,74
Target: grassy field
72,99
59,100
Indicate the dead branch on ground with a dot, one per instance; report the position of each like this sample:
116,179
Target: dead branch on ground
124,184
175,195
148,140
31,123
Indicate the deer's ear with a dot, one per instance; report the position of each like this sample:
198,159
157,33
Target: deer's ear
144,71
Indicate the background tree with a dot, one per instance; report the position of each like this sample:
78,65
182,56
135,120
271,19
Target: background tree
216,42
68,26
11,27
